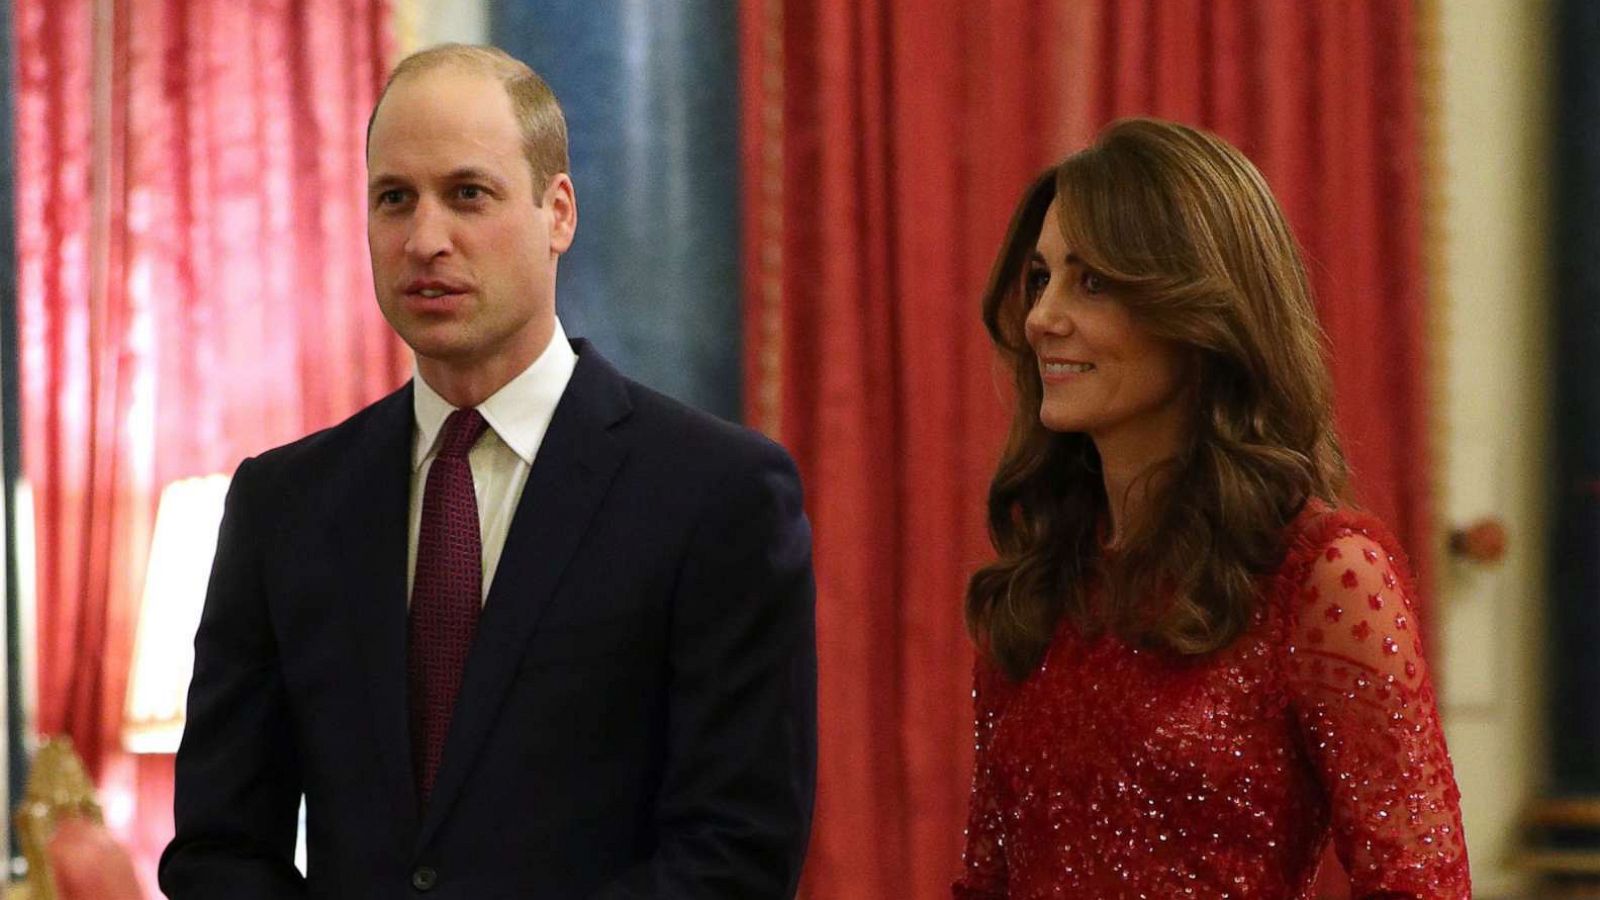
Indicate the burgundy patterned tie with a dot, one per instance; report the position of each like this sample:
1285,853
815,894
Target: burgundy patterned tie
446,594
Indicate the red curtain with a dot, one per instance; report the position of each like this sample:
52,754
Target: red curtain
885,143
193,288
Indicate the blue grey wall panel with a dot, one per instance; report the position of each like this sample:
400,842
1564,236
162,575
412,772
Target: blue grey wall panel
651,99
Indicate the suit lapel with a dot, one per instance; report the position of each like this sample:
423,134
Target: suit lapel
570,475
374,518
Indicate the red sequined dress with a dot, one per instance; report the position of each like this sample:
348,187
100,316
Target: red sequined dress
1113,771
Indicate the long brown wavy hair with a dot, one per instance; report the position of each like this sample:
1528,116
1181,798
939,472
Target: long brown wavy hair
1185,233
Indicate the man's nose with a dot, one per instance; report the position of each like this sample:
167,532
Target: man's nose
430,231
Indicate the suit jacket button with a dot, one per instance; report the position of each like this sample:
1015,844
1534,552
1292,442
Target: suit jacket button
424,878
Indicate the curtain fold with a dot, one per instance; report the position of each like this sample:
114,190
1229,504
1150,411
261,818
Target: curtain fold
193,288
884,144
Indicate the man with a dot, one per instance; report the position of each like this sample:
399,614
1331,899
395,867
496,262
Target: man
523,628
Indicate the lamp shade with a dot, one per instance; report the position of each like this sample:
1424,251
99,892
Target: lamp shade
181,550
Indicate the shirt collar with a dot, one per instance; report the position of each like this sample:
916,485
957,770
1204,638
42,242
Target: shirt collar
519,413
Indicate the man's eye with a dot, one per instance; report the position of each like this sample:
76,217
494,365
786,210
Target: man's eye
469,192
391,197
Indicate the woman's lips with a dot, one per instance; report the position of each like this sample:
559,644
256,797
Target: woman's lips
1056,370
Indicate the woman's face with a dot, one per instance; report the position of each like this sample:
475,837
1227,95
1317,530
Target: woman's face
1102,373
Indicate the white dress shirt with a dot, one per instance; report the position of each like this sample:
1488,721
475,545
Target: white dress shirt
518,415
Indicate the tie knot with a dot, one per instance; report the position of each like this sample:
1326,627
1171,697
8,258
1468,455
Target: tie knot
461,430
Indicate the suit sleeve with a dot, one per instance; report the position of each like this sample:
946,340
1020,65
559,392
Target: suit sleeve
734,814
238,782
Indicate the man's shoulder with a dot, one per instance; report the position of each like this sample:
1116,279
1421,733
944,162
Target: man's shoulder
670,427
691,463
383,421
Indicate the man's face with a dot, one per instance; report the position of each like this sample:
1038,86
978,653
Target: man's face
463,258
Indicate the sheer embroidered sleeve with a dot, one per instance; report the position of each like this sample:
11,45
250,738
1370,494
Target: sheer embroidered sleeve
984,875
1365,704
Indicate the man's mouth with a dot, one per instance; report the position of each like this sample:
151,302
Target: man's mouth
433,289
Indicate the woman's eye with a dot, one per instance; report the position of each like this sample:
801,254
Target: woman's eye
1092,282
1034,282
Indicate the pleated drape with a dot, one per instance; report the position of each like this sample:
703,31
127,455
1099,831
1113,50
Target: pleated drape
885,144
193,288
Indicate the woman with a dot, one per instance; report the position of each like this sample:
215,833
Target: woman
1195,663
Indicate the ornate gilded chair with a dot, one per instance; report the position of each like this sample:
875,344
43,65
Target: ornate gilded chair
71,855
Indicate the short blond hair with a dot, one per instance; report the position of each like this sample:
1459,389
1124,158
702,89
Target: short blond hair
544,128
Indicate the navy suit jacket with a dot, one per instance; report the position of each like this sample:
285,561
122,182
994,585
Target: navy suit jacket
637,716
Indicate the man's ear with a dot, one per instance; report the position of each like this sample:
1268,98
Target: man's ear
562,201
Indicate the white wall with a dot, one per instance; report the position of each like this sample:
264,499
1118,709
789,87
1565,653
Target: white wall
1492,394
421,23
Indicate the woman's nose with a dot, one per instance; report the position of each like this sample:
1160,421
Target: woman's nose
1050,315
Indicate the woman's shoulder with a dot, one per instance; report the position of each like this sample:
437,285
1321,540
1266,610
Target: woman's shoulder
1326,537
1326,531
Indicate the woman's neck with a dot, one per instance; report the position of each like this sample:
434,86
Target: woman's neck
1130,464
